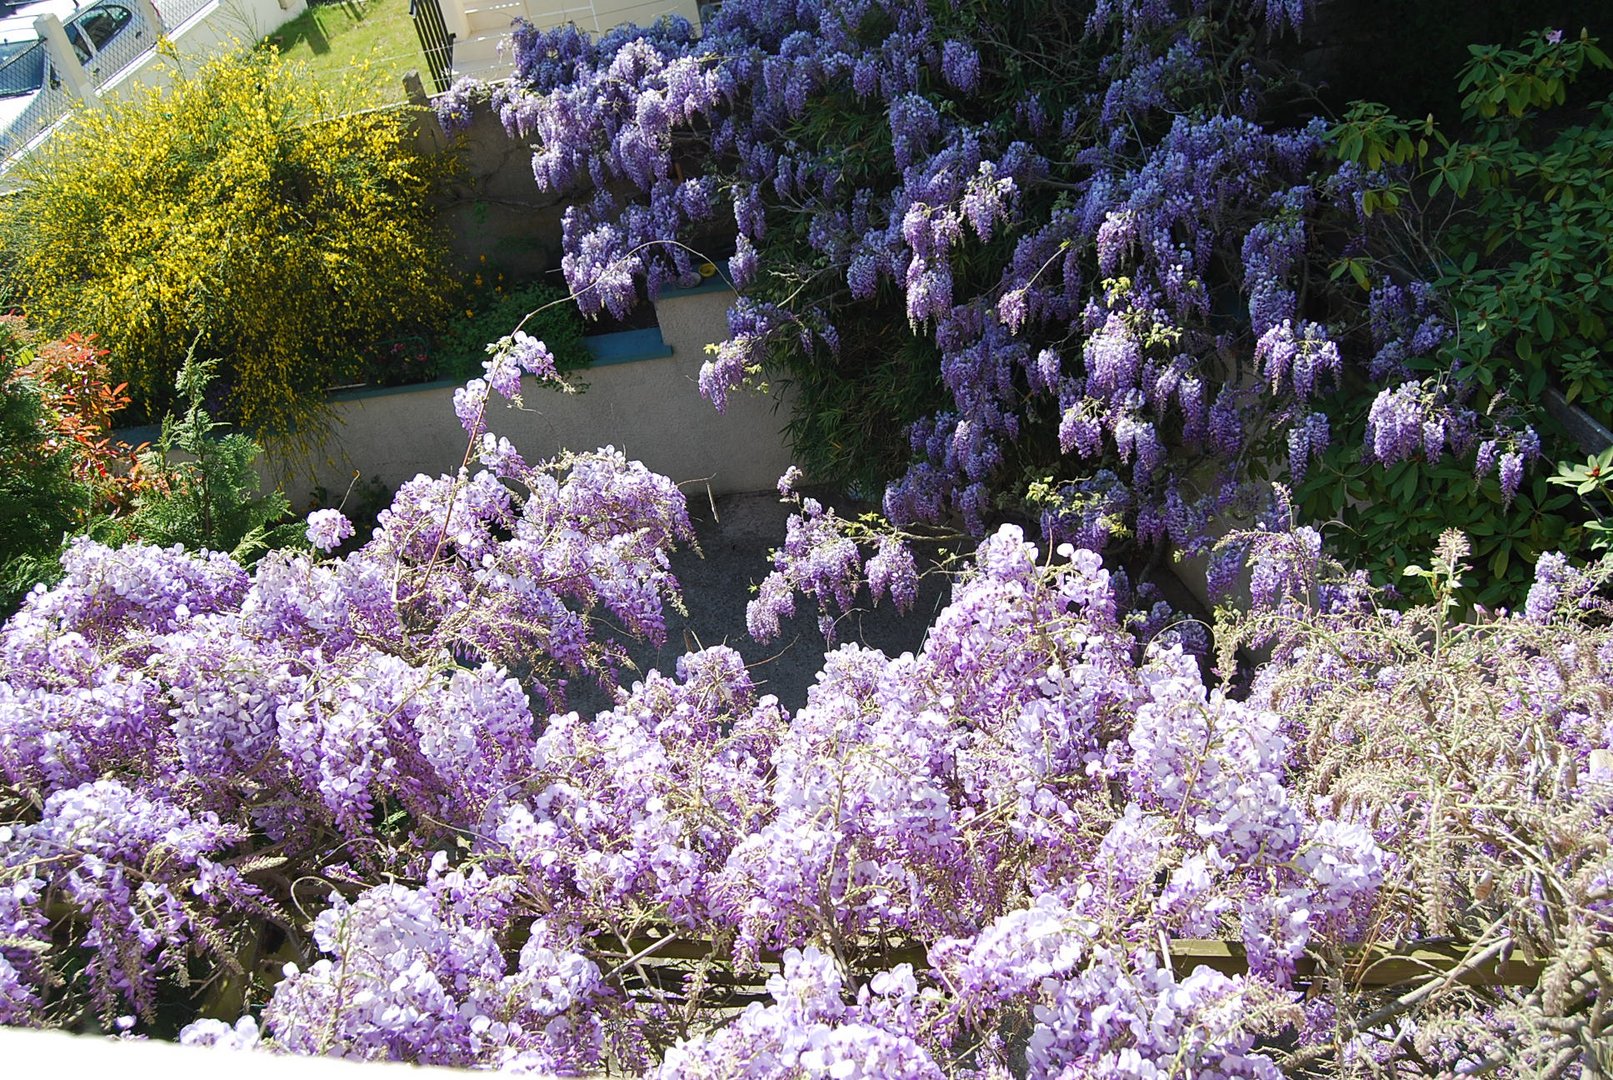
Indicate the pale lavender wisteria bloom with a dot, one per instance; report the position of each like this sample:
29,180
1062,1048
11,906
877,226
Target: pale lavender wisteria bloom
328,528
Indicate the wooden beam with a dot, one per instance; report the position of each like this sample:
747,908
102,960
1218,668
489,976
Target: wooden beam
1376,967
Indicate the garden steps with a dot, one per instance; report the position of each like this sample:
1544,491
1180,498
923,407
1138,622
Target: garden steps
480,57
481,25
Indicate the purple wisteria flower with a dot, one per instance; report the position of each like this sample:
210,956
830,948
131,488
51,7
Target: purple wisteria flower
1395,424
328,528
1511,474
514,356
1172,159
960,65
975,859
456,109
1032,794
893,570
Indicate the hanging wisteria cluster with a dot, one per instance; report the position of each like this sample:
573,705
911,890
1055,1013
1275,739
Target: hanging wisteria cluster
1120,260
309,809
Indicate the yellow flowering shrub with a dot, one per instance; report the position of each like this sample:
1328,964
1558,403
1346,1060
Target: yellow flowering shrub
236,212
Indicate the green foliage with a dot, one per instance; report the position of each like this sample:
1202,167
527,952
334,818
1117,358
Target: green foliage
1381,519
1532,270
1525,208
546,312
204,493
1445,573
241,211
40,500
1408,55
850,411
1593,478
1525,258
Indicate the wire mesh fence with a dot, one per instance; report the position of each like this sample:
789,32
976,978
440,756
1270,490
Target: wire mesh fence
177,12
23,72
45,104
106,39
123,41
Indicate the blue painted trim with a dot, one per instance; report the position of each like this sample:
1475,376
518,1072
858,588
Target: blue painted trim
622,347
627,346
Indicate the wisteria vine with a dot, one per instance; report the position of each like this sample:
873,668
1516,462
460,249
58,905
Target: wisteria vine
1113,259
310,808
336,805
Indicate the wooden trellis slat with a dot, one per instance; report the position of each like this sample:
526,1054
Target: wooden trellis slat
1374,967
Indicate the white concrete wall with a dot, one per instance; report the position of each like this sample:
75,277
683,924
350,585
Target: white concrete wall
649,409
234,22
29,1053
612,13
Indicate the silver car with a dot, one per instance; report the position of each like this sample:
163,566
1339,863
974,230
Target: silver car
25,65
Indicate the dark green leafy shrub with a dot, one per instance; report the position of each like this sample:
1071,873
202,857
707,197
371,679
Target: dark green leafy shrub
1592,482
549,316
40,500
1507,215
1381,518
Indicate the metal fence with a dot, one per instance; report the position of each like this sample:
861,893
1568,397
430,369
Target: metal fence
176,12
435,40
106,38
48,104
22,73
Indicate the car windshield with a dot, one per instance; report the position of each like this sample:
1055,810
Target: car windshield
22,67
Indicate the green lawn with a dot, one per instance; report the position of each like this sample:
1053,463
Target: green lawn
368,42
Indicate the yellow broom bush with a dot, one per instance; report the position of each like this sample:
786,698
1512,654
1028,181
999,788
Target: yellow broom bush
236,212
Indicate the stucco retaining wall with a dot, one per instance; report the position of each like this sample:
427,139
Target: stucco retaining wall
491,210
646,403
